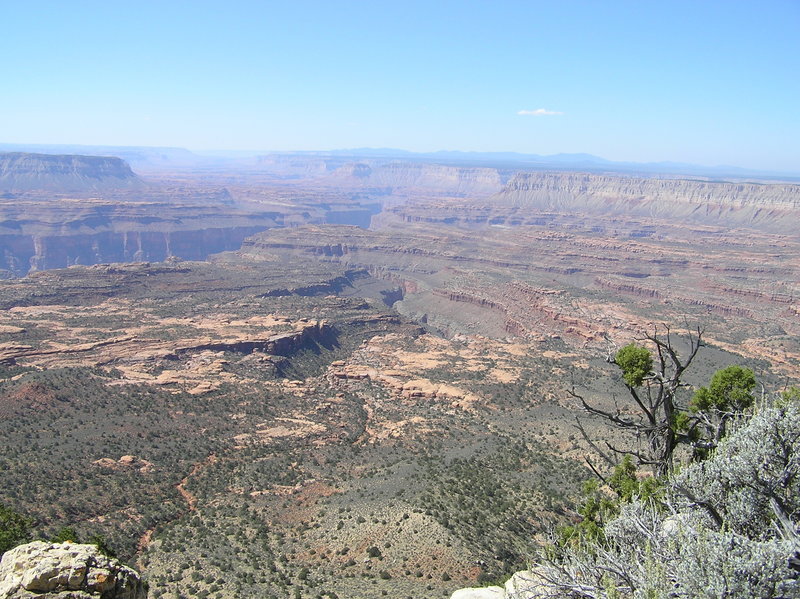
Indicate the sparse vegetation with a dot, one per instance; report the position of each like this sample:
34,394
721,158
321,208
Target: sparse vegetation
377,460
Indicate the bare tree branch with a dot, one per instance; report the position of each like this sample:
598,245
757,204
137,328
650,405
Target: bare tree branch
655,402
712,511
594,446
615,418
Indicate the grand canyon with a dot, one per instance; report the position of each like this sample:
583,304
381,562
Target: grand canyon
352,374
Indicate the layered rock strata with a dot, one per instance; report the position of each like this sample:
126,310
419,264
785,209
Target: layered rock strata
758,205
587,287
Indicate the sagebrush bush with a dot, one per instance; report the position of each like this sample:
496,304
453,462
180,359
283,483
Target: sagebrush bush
726,527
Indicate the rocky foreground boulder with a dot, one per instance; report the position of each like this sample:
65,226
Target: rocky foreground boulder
522,585
66,571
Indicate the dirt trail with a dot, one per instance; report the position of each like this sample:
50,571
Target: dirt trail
188,497
144,540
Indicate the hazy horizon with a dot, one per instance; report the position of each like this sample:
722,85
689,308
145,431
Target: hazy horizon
710,83
568,161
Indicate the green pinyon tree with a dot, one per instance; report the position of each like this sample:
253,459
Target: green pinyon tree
635,362
729,394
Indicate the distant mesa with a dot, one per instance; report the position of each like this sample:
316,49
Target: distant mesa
21,171
436,178
355,169
399,176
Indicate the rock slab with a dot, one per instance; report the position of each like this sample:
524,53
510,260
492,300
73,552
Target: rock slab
522,585
479,593
66,571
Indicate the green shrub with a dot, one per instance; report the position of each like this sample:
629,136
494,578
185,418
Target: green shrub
15,529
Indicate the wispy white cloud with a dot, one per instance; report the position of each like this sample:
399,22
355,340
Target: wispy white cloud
540,112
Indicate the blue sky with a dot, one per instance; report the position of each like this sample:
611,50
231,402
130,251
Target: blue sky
703,82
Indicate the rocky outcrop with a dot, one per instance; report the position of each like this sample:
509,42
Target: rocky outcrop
68,571
21,171
281,344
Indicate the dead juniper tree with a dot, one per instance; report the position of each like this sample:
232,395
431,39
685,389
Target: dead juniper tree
652,385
